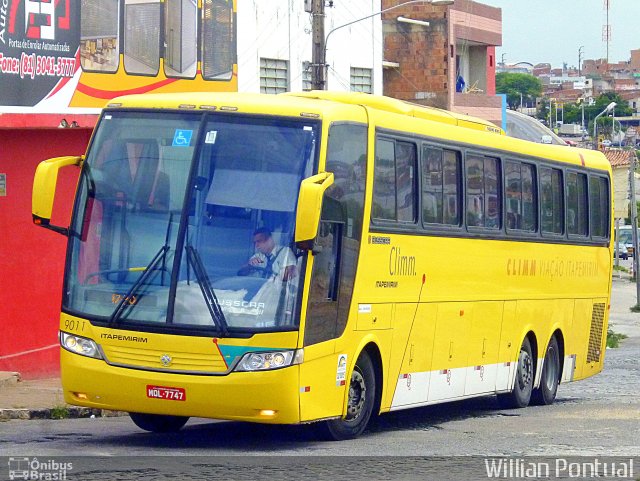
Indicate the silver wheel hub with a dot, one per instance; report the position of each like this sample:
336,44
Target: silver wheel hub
551,372
525,370
357,395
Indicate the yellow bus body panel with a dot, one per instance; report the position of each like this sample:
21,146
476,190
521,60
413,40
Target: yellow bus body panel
209,391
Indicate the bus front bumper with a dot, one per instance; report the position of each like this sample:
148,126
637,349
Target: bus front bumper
264,397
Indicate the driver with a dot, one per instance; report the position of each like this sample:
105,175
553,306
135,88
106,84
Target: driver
270,260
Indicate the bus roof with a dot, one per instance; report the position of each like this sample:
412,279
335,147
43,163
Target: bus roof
396,106
232,102
306,99
319,103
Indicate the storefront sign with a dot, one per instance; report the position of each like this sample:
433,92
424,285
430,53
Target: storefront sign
39,43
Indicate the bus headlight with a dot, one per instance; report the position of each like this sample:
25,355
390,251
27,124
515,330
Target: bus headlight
79,345
263,361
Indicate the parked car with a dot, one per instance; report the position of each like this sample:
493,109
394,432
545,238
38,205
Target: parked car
625,236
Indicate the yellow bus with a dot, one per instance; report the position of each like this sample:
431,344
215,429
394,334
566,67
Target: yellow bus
324,257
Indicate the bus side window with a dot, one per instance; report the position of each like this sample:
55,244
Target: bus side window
599,200
551,201
394,184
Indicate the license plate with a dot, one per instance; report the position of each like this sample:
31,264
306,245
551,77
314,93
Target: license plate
168,393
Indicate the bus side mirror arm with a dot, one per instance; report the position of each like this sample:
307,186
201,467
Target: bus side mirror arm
44,190
312,191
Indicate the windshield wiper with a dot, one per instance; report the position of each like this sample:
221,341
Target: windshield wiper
125,301
210,298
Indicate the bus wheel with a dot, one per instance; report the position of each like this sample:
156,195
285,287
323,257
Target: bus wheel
521,394
546,393
362,392
157,423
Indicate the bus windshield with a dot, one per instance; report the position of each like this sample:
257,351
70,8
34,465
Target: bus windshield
186,221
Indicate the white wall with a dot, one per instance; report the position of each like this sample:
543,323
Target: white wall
281,29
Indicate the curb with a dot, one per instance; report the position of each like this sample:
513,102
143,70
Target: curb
57,413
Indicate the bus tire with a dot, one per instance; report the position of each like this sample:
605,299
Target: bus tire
550,378
520,396
157,423
362,392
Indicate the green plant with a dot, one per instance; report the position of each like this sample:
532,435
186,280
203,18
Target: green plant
614,338
620,268
59,412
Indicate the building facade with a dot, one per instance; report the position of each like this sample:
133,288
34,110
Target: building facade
449,63
275,44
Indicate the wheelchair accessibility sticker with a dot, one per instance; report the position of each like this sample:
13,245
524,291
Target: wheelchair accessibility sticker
182,138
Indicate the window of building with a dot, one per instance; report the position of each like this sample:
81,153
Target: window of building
394,183
361,80
599,206
441,172
551,201
142,37
577,215
483,196
471,67
520,196
218,39
274,76
99,35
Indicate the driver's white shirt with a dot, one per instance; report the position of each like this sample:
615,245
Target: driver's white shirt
284,258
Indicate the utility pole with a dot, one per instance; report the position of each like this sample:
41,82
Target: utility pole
318,60
634,225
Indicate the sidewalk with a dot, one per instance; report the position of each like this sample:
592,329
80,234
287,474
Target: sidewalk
38,399
43,399
623,297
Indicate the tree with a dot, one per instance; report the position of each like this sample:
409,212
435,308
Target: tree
516,85
605,124
572,112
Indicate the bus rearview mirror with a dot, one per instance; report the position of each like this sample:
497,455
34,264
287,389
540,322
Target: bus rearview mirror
44,190
312,191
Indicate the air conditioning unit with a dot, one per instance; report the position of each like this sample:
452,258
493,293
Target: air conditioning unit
308,6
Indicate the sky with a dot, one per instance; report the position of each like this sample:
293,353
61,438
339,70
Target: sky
552,31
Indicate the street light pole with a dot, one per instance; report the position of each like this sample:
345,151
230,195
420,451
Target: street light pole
520,102
634,225
607,109
319,60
